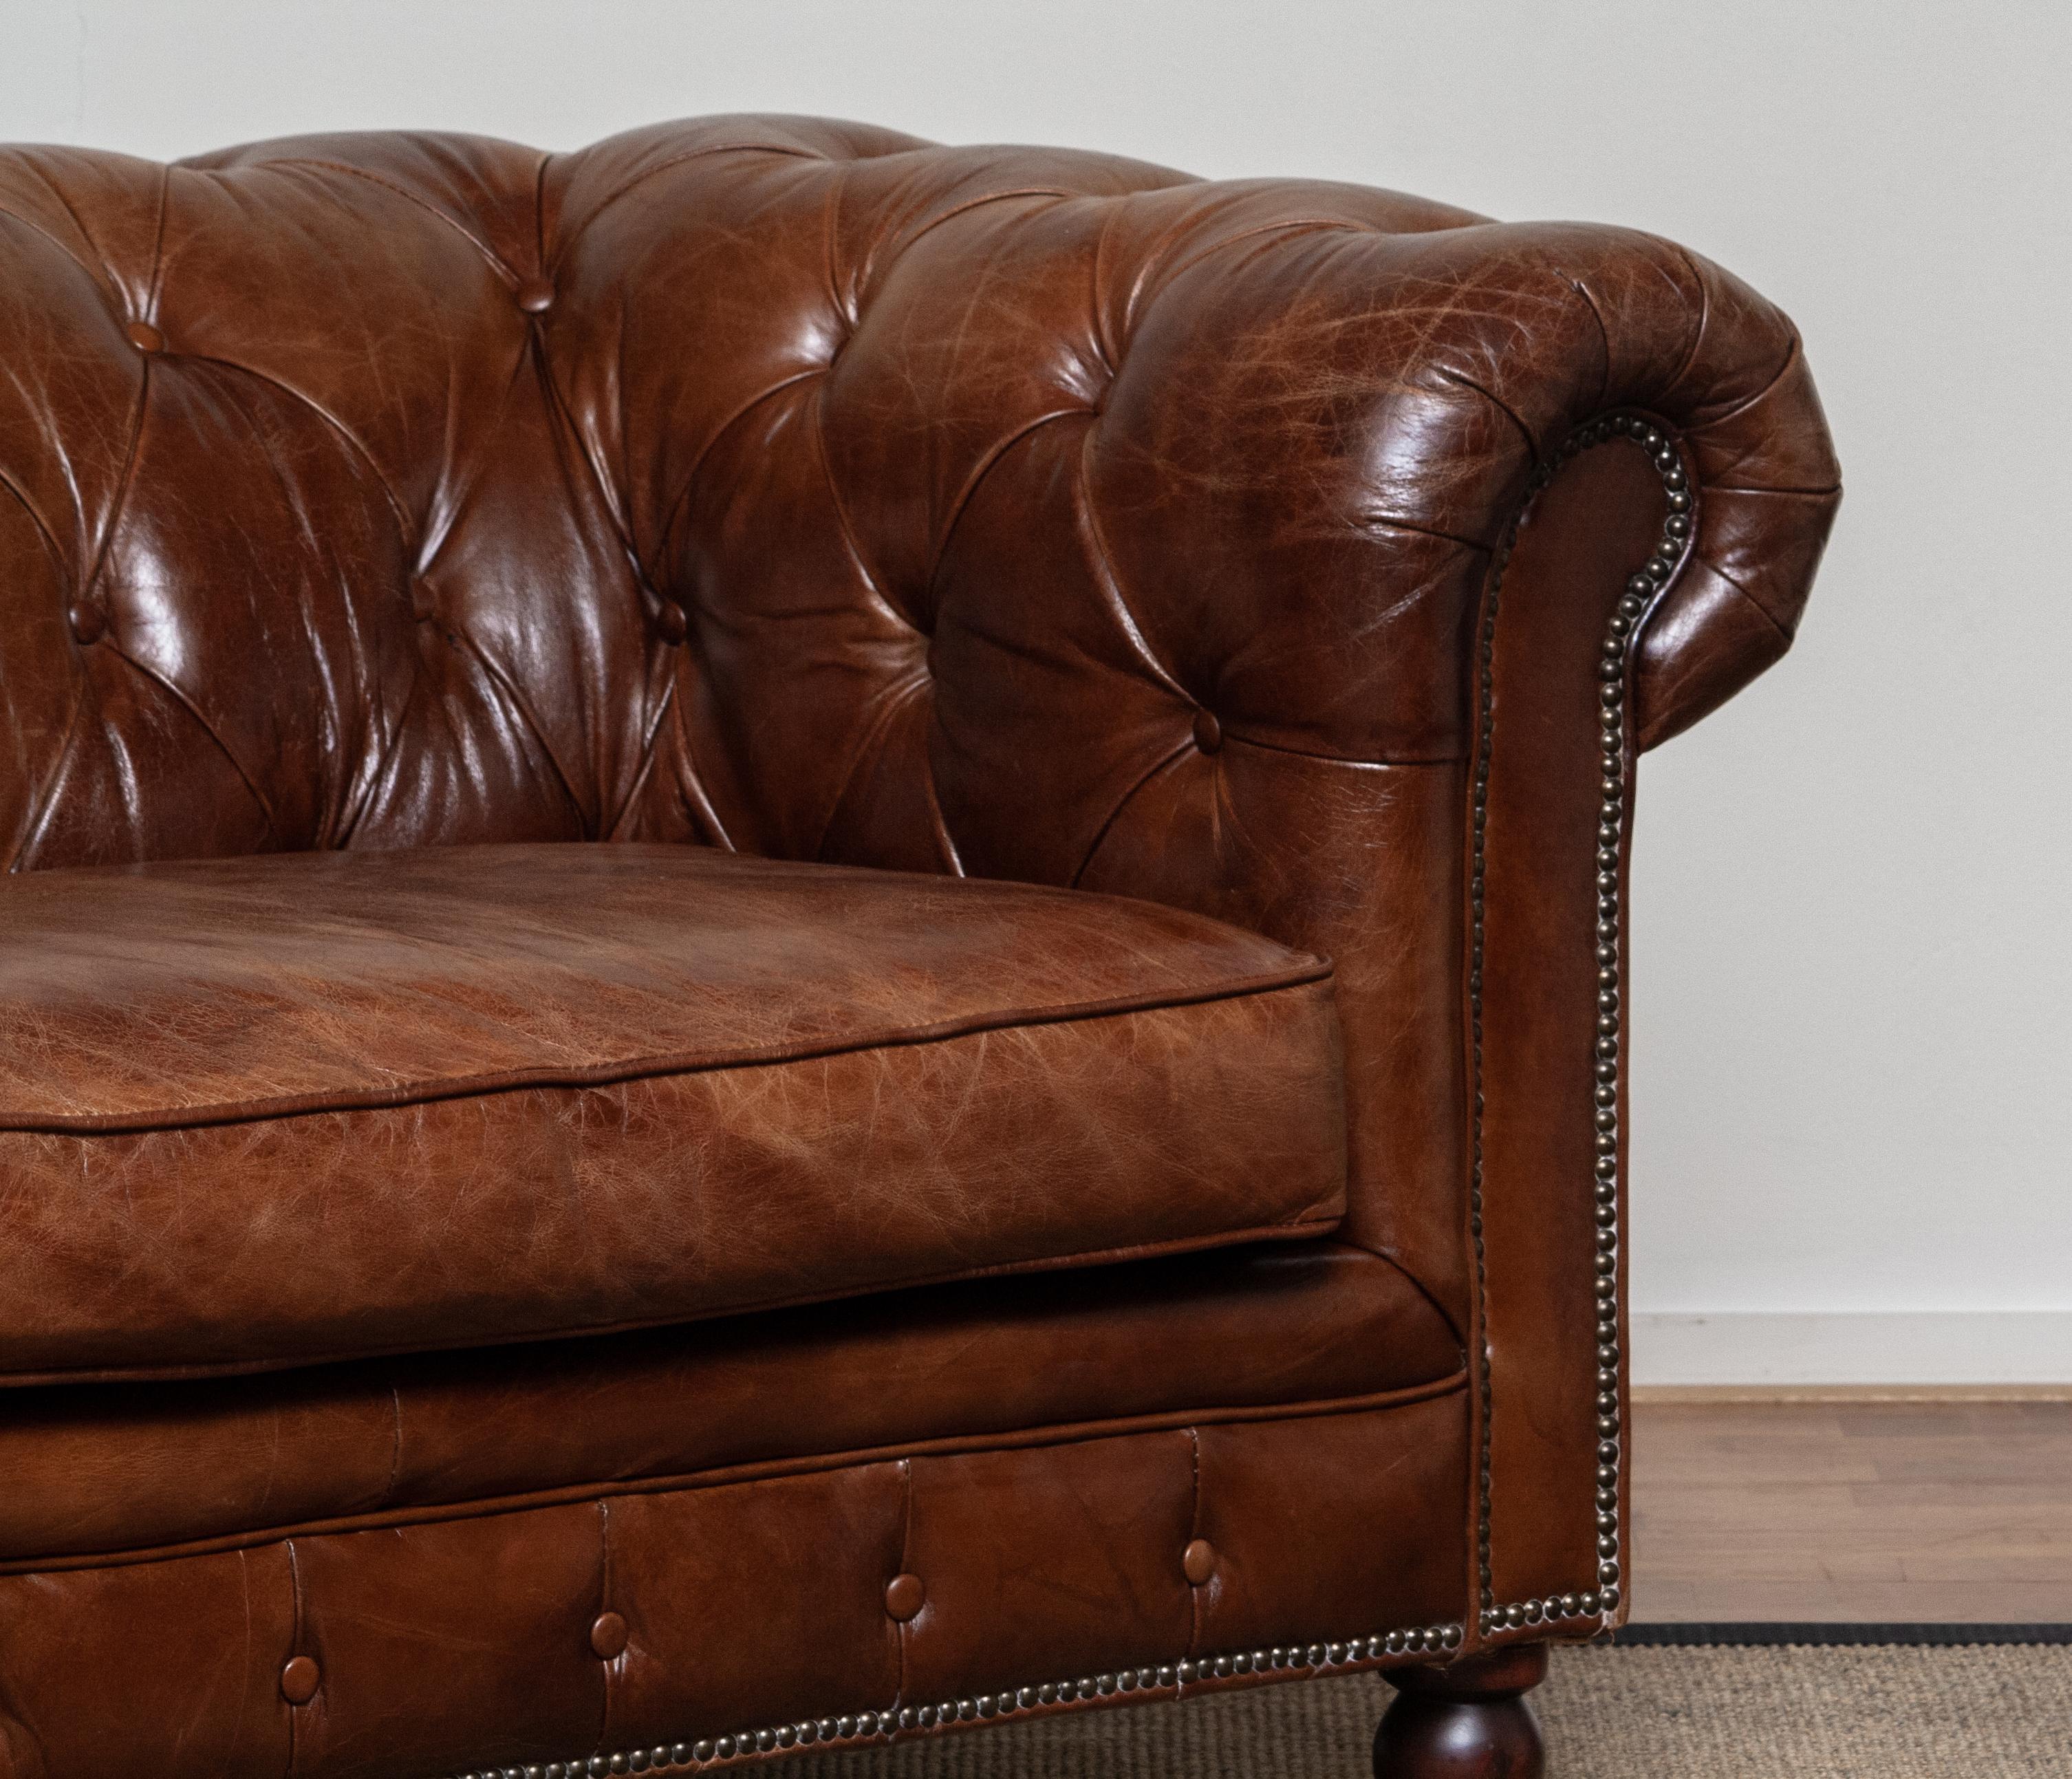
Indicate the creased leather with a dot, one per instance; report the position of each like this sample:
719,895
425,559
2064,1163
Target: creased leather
802,490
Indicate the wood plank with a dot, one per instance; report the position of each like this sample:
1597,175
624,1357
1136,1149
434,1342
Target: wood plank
1948,1509
1715,1393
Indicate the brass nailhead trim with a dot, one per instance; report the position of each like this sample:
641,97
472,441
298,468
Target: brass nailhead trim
1601,1598
894,1722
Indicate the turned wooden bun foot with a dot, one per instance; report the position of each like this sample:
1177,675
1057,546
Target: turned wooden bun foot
1466,1720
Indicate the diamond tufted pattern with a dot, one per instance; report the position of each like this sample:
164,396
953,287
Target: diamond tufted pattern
785,485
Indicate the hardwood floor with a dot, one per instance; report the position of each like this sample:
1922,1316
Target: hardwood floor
1874,1511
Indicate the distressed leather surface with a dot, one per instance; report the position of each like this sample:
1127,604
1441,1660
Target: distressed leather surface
260,1111
799,489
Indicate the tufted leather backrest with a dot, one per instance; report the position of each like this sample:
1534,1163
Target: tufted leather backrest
798,488
389,490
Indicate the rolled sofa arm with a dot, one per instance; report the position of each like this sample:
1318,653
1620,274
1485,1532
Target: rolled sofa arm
1768,486
1045,515
1449,364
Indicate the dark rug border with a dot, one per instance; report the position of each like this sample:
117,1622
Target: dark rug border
1642,1636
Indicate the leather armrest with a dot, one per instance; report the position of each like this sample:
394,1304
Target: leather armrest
1410,382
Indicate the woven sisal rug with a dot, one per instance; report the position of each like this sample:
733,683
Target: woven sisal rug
1765,1712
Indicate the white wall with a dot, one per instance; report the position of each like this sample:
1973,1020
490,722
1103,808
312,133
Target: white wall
1853,1010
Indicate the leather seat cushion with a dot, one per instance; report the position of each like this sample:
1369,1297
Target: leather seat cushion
262,1111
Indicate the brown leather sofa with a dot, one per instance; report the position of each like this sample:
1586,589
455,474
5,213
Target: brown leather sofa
1068,1153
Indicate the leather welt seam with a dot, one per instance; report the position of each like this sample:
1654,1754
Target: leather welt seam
605,1074
1823,491
1232,738
769,1469
1314,1220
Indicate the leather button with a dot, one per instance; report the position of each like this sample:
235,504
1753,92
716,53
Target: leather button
1208,731
89,623
671,625
1197,1562
904,1596
299,1680
535,296
607,1637
145,337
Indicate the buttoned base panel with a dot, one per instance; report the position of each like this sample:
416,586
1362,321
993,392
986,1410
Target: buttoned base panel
702,1623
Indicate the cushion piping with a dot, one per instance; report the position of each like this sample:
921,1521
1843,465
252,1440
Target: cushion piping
641,1068
1304,1225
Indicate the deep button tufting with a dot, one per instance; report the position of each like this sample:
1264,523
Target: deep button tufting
535,296
145,337
1197,1562
671,625
1208,731
299,1680
607,1637
904,1596
88,622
